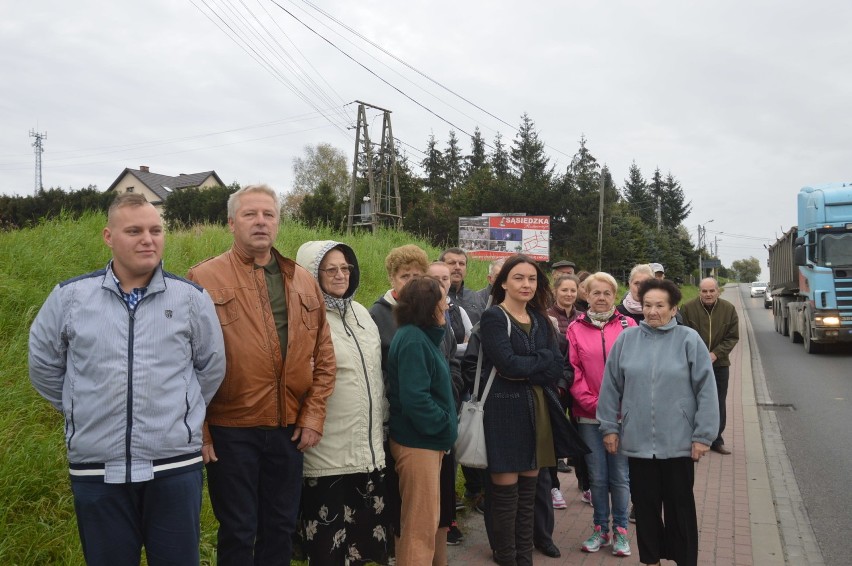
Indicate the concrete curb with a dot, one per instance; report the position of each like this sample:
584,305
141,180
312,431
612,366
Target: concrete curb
765,534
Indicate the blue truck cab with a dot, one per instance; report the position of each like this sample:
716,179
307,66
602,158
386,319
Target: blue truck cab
823,255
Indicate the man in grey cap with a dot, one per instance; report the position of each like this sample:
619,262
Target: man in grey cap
659,270
564,266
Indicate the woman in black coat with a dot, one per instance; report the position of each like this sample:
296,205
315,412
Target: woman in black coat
525,427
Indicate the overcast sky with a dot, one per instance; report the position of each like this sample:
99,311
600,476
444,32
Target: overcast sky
744,102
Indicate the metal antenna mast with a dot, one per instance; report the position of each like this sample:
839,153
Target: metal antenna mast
382,204
39,149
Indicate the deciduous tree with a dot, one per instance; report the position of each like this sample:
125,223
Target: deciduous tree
746,270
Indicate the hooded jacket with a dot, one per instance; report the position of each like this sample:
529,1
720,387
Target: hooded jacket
661,382
131,386
352,440
262,388
588,348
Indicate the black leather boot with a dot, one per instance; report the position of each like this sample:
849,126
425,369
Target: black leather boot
524,520
504,506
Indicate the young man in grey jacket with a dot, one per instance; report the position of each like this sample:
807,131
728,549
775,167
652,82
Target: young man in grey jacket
131,355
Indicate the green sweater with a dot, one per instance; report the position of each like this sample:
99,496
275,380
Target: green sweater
422,409
718,327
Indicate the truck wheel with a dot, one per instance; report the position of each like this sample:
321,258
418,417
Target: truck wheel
795,337
785,326
811,347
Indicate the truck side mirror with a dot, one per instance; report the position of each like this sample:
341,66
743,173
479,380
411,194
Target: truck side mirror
800,255
800,241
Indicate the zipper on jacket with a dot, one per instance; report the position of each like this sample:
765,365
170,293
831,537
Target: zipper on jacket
70,424
369,391
186,419
710,331
603,343
128,433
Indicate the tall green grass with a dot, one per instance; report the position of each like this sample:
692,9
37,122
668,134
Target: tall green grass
36,508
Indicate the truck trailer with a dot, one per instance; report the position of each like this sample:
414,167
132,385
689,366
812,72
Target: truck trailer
810,270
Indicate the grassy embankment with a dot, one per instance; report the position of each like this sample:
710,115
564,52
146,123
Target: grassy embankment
36,507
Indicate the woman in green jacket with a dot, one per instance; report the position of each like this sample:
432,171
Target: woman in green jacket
423,420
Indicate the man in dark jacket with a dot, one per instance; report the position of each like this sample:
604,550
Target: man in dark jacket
716,321
484,294
456,259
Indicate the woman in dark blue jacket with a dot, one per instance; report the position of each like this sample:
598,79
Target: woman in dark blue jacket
525,427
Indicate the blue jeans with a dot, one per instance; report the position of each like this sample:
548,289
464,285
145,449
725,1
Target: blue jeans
116,520
255,488
609,478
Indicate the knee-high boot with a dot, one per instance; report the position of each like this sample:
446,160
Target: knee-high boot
504,507
524,520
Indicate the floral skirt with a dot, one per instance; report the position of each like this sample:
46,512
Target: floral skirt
344,519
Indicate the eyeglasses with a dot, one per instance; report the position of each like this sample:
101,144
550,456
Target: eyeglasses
332,271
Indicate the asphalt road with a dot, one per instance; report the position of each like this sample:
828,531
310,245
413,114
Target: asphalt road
817,432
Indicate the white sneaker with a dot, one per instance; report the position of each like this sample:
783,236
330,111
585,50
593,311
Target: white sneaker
558,500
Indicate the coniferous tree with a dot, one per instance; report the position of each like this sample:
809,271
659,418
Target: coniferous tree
453,164
637,196
674,208
477,158
530,165
656,190
500,157
434,169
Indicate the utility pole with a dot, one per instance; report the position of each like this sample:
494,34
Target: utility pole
382,203
39,149
702,240
659,214
600,219
700,263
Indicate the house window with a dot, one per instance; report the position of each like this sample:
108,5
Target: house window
129,189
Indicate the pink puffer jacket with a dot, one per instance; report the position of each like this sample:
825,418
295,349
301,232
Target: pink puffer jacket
588,348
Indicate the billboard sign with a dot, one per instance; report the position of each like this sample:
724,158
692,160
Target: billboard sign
492,237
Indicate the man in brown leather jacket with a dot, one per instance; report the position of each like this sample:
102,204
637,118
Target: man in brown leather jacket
280,370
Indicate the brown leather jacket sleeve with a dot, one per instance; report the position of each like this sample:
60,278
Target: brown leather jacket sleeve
312,411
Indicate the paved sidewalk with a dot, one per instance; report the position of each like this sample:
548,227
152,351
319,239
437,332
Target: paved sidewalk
736,515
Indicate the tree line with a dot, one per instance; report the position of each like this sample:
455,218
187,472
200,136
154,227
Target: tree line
642,220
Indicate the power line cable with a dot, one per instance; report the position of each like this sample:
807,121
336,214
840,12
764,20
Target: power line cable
112,149
250,50
421,73
67,165
421,105
287,60
296,47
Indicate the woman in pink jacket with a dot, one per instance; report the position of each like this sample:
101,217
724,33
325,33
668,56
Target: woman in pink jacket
590,339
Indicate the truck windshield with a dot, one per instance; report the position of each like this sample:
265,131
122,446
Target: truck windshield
836,249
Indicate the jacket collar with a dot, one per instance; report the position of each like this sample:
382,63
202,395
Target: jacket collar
662,329
584,318
286,265
156,285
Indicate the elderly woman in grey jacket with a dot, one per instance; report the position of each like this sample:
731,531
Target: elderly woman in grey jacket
343,509
658,407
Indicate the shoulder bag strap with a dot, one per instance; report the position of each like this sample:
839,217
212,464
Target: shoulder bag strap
493,369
